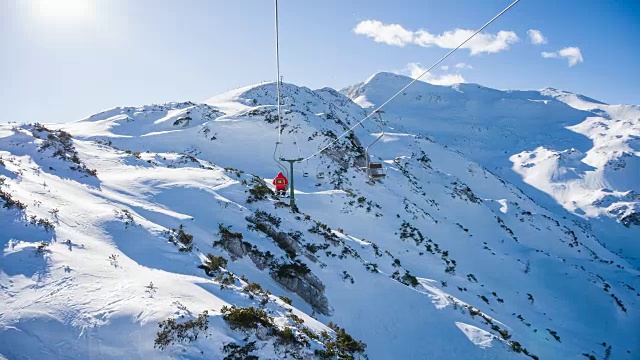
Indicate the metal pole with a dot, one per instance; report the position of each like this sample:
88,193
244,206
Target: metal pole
292,194
292,197
278,83
278,79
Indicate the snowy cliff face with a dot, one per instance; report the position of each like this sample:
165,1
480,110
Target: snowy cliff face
582,153
116,223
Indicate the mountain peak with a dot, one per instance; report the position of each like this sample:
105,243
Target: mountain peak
572,99
166,215
387,76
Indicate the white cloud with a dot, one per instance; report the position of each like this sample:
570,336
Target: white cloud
446,79
536,37
572,54
483,42
415,70
444,67
463,66
394,34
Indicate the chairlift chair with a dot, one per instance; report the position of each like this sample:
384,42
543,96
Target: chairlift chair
305,172
375,169
319,174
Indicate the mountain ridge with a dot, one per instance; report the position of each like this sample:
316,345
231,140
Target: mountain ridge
527,122
440,259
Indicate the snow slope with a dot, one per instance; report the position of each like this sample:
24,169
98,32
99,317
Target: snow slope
441,259
559,147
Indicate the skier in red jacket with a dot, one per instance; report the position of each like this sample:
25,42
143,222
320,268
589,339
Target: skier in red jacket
281,182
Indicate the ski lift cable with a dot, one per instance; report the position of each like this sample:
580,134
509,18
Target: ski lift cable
280,165
413,81
305,173
295,141
278,72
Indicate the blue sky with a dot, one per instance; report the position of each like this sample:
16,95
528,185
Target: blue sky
77,57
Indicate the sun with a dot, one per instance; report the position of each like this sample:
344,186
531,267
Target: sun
64,11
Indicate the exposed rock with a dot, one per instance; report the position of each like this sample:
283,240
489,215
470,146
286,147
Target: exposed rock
282,239
234,246
463,191
238,249
631,219
308,287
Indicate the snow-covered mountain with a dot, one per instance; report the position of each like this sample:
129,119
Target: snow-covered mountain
119,231
559,147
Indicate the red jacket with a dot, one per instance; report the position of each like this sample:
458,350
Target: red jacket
280,182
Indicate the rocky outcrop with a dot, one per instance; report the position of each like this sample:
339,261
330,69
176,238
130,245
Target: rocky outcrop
295,277
237,248
284,241
631,219
307,286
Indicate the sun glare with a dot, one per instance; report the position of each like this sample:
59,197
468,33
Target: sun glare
64,11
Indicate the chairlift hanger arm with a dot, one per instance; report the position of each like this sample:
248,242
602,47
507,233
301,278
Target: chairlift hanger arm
280,165
381,134
291,160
